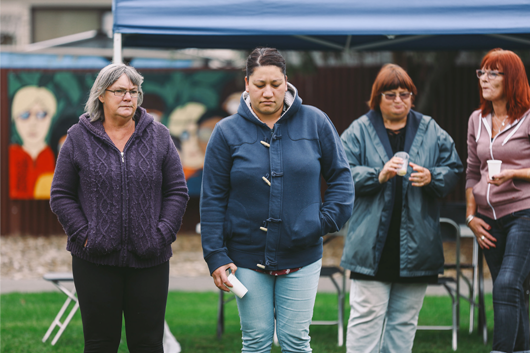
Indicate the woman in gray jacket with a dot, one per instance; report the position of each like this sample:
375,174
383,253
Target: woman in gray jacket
393,247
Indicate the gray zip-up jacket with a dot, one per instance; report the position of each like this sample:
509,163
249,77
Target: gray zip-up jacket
368,149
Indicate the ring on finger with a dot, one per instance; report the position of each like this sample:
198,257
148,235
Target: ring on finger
482,238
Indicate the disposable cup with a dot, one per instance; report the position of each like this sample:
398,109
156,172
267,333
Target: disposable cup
238,288
494,167
403,169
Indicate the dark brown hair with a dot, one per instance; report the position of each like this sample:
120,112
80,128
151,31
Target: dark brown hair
265,57
391,76
515,83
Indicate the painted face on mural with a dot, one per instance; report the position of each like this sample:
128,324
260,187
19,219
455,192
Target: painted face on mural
32,111
33,124
183,125
205,131
32,162
231,103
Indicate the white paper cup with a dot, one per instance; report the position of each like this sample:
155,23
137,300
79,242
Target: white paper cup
405,157
494,167
238,288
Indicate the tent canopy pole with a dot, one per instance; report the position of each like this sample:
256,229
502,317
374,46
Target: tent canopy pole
117,57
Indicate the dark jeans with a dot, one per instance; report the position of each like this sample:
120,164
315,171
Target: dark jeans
107,292
509,264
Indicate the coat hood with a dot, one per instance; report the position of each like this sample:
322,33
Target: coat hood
292,102
142,118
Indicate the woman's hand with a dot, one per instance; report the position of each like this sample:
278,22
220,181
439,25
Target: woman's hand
502,177
220,278
422,176
390,169
480,228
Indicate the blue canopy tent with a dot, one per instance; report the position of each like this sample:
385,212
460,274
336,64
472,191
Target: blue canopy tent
319,25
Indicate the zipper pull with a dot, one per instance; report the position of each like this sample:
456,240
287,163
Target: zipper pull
122,157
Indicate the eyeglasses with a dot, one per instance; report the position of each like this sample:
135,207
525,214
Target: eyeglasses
392,96
40,115
492,75
123,92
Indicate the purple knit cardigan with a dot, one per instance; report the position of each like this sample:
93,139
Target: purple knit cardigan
129,205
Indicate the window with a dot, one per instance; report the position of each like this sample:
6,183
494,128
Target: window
50,23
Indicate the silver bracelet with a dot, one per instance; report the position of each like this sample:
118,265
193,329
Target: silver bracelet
469,219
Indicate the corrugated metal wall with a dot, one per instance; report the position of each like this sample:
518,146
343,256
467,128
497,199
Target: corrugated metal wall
340,92
343,92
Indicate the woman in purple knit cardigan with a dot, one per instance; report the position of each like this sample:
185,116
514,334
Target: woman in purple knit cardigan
119,192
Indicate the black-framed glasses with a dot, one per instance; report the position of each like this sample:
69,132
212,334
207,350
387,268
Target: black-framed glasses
392,96
123,92
492,75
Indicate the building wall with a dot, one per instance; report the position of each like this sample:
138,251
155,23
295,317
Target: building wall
17,17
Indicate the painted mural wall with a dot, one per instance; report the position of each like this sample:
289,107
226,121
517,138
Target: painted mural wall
44,105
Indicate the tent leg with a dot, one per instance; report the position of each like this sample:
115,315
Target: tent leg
117,58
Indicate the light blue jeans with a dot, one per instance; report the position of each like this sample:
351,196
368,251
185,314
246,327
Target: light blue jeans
384,316
288,298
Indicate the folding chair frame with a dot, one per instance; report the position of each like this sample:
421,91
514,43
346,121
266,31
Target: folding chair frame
56,279
454,292
329,272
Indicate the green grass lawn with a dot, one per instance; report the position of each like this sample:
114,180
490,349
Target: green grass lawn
192,319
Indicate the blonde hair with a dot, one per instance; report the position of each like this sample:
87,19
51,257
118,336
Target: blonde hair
28,96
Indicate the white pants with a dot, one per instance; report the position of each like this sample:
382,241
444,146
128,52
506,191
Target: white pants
383,316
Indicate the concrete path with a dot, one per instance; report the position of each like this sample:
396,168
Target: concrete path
187,284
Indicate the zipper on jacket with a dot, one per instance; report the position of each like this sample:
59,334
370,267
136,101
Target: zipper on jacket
125,221
125,206
489,185
489,203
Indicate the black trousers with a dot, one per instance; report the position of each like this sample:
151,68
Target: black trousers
107,292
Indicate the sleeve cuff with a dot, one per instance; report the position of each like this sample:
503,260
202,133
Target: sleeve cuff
217,260
80,235
471,183
168,234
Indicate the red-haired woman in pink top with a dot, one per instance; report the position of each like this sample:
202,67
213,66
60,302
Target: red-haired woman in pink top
498,208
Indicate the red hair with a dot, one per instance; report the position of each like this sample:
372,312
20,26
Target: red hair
391,76
515,83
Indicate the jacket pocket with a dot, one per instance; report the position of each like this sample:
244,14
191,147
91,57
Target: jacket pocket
100,243
168,234
498,194
307,228
236,227
147,245
424,247
522,214
480,191
80,235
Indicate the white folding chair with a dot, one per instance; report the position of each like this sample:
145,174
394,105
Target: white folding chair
450,232
56,279
340,285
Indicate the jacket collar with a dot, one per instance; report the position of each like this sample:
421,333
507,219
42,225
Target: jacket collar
413,122
142,118
291,102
